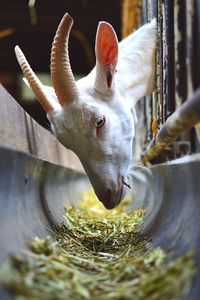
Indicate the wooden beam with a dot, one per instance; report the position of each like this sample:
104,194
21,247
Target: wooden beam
20,132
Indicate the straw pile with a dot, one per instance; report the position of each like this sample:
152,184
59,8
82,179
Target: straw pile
97,254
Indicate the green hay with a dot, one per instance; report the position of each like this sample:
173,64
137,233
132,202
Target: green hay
97,255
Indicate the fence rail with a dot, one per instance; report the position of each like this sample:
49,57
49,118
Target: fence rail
20,132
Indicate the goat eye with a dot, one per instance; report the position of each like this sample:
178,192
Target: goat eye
100,121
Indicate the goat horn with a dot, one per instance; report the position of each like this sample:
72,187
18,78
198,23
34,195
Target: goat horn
33,81
61,73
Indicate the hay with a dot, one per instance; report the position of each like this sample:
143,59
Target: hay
99,255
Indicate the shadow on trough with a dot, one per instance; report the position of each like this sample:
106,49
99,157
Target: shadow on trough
170,194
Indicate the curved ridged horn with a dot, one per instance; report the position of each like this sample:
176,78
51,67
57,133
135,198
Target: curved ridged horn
33,81
61,73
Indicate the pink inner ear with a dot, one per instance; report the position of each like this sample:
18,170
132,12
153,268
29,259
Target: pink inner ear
107,49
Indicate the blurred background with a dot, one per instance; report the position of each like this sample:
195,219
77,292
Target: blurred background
32,26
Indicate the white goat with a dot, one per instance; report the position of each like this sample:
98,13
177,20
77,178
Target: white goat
95,116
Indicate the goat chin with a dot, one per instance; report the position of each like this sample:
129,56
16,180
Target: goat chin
109,200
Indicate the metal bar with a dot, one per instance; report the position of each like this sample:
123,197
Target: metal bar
185,117
180,51
170,62
196,43
160,64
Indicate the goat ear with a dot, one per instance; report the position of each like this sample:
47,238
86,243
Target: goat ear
106,54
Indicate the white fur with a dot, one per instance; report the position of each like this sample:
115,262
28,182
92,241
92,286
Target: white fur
106,157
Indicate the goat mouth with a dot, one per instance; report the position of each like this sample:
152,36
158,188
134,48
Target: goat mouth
111,198
120,198
111,201
122,190
125,183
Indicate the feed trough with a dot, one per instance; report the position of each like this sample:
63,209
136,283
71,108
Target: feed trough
39,177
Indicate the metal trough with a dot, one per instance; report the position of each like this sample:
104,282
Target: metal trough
38,176
170,194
